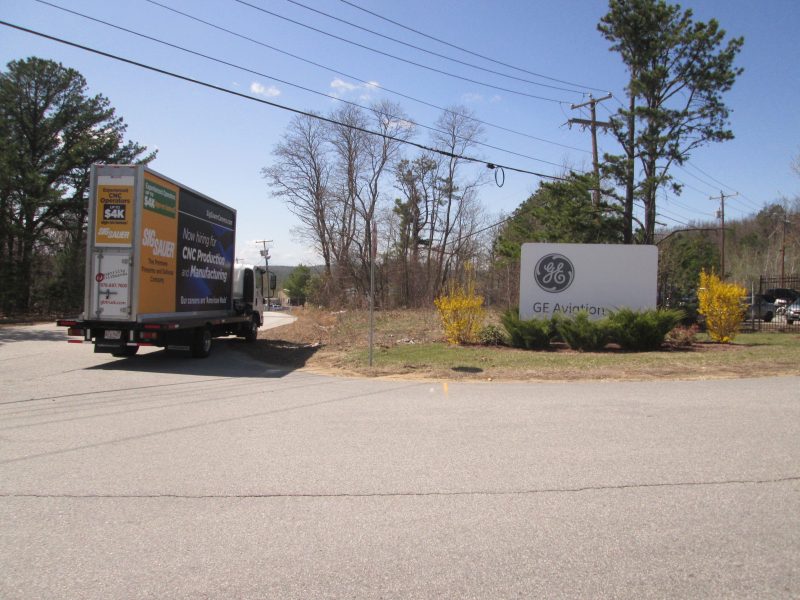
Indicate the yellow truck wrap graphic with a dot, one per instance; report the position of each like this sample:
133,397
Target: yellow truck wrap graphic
158,258
113,224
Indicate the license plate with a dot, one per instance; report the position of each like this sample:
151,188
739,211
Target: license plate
113,334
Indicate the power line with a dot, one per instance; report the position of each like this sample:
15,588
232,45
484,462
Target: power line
743,206
674,220
753,203
671,201
276,105
709,176
363,81
703,181
691,187
409,45
273,78
405,60
462,49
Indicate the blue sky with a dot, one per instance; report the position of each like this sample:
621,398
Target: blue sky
218,143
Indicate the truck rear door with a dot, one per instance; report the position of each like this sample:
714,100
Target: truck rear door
111,284
110,255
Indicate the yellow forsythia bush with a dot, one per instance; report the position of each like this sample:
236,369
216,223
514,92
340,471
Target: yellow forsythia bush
722,304
462,313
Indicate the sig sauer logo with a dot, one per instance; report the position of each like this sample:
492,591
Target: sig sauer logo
554,273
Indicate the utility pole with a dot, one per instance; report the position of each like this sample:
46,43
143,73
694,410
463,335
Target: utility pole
783,248
265,254
721,216
593,124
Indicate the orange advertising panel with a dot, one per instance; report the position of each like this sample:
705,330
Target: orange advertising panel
114,215
159,246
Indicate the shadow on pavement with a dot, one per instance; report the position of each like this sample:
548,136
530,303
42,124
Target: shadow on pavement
230,357
31,333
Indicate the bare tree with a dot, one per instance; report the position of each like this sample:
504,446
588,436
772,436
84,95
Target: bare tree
362,161
381,152
348,138
301,176
457,134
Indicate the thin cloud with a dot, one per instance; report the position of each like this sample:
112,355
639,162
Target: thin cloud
476,98
260,90
363,91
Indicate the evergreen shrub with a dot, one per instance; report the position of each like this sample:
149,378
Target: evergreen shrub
580,333
532,334
642,331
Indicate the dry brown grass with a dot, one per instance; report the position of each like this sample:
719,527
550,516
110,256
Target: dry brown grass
410,343
350,329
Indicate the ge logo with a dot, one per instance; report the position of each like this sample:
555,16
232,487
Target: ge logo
554,273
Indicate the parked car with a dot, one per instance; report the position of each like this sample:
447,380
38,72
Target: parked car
787,294
793,312
762,308
782,297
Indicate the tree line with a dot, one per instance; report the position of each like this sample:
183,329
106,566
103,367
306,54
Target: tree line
356,194
51,132
333,175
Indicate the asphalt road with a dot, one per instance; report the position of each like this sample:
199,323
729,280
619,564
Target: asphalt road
167,477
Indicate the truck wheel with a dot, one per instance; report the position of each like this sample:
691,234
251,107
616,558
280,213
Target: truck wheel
127,351
201,343
251,333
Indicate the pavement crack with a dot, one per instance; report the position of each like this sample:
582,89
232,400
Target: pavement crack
408,494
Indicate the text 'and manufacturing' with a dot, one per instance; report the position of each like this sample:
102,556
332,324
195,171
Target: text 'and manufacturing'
206,273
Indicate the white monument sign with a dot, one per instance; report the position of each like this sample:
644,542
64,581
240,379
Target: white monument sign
563,279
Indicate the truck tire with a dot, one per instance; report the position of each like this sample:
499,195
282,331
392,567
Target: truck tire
201,343
251,331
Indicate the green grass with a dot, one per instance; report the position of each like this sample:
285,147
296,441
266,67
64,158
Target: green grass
410,342
750,355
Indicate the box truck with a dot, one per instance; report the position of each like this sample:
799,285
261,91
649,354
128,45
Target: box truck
160,267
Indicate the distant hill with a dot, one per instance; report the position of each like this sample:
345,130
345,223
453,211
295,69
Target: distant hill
282,272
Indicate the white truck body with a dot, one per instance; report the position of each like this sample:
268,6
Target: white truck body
160,267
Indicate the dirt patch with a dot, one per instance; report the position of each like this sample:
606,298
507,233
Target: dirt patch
336,343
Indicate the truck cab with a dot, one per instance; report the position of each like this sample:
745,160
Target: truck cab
249,287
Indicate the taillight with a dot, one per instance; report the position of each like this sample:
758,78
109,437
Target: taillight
75,331
148,335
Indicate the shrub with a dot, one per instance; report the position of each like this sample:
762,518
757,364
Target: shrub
462,313
642,330
722,305
491,335
582,334
682,336
533,334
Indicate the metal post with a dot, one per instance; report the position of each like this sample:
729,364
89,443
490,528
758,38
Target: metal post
265,254
373,250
